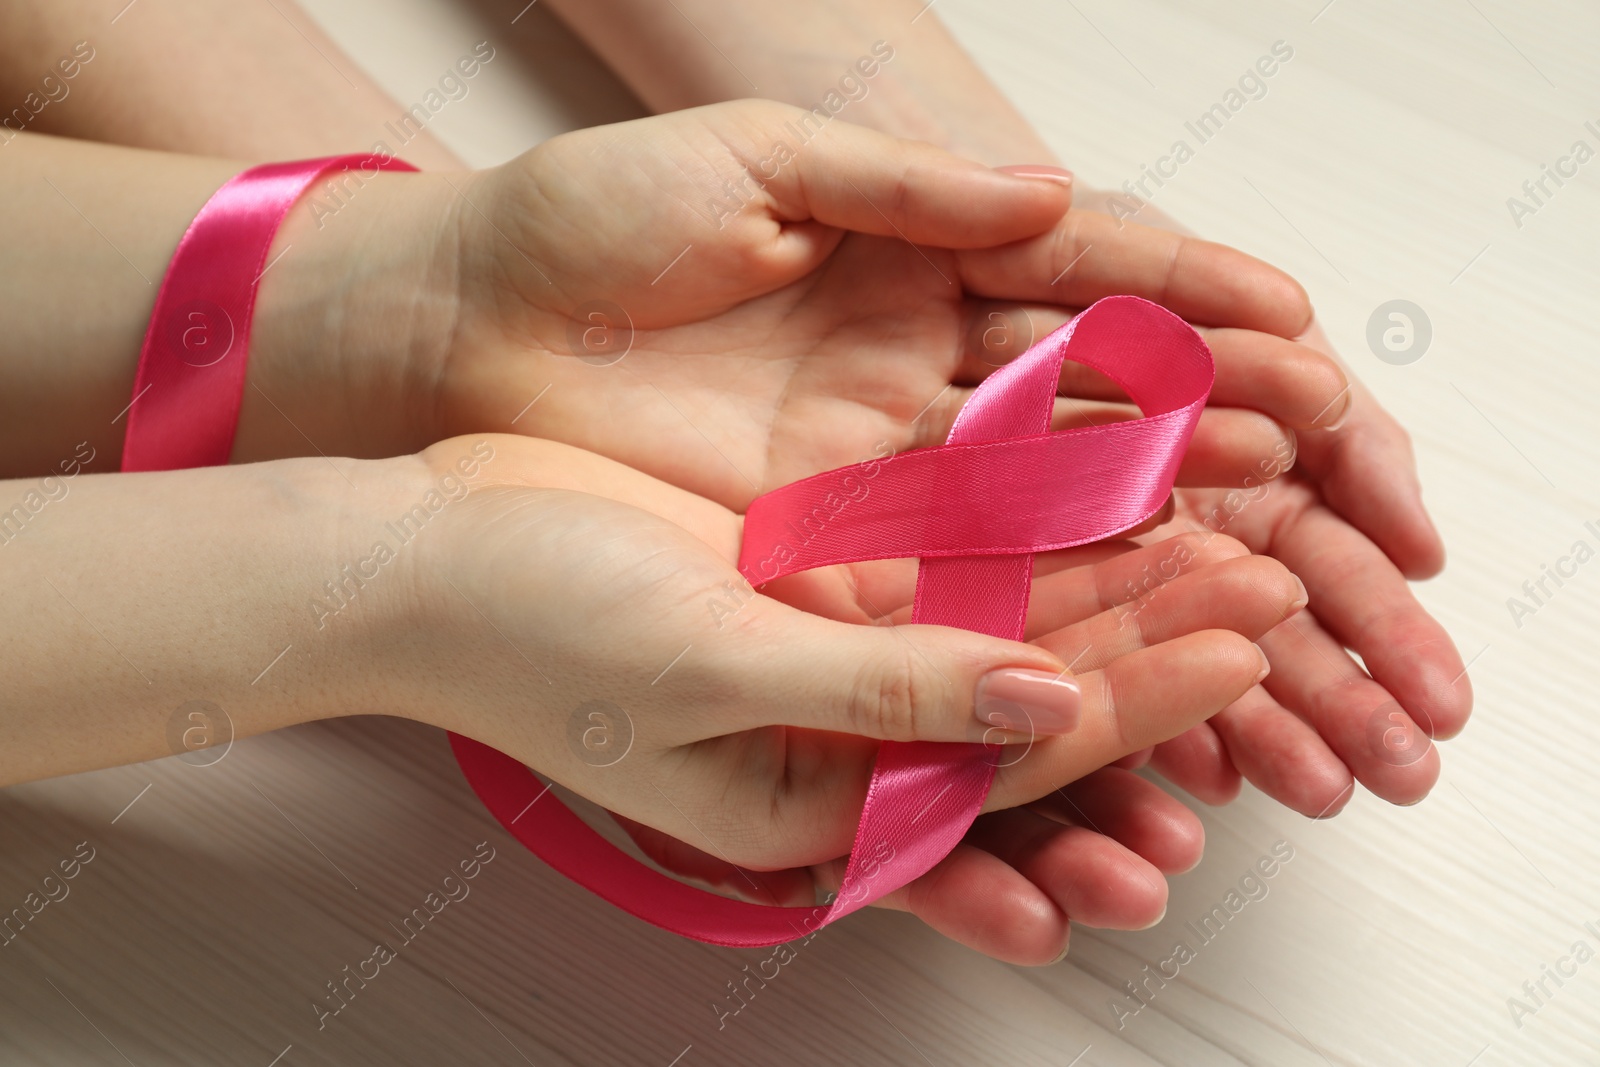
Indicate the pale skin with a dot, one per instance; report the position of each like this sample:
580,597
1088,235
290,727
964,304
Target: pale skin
1304,737
764,263
157,615
1352,538
941,97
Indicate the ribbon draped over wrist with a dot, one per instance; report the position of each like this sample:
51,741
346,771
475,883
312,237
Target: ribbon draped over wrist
974,511
190,383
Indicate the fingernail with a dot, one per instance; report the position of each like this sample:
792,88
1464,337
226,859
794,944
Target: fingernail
1302,598
1039,171
1028,701
1340,407
1266,666
1157,921
1064,949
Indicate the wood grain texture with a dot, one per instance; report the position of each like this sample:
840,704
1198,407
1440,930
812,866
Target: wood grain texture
1377,166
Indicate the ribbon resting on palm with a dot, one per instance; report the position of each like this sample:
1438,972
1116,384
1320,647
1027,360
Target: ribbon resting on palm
974,511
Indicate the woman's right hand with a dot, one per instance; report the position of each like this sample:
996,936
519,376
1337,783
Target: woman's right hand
566,582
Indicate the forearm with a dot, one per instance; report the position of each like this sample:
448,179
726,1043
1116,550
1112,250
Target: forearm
85,240
128,597
930,90
244,81
83,243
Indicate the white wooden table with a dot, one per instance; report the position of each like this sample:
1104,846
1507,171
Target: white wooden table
221,899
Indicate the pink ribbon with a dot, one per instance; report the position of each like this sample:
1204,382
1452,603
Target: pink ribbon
190,382
974,510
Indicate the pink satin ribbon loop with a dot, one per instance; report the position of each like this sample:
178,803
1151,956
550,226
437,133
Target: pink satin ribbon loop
999,491
975,510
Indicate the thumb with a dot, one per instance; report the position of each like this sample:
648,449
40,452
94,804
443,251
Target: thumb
915,682
854,178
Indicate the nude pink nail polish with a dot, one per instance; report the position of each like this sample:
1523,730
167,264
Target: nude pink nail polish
1028,702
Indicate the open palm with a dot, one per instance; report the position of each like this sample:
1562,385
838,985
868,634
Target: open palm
846,310
758,744
808,331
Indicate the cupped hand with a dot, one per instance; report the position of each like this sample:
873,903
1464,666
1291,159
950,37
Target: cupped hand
768,331
1349,521
735,335
729,334
753,730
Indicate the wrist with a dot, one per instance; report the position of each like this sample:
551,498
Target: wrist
464,518
297,554
354,318
200,585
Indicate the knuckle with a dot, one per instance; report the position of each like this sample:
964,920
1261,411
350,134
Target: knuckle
901,199
890,698
1171,269
1109,702
1065,243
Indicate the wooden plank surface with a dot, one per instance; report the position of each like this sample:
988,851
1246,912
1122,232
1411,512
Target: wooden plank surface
220,900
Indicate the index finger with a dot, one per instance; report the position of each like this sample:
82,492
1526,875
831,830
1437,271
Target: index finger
1088,255
858,179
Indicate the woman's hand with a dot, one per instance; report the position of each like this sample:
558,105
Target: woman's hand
1349,521
762,331
968,115
753,725
875,346
358,308
781,344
